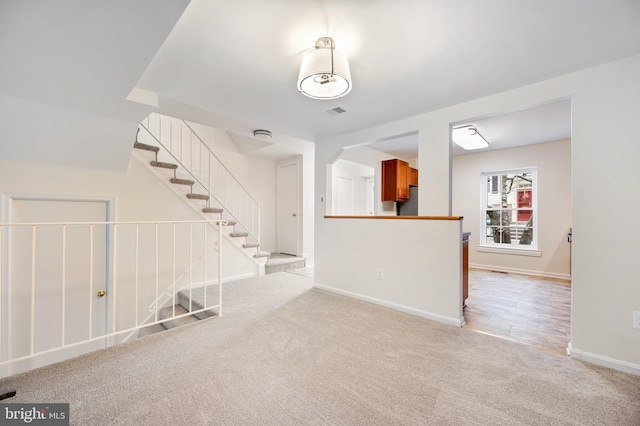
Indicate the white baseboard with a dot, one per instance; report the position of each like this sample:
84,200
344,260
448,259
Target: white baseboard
520,271
458,322
604,361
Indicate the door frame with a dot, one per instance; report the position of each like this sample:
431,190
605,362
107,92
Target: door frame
298,198
6,216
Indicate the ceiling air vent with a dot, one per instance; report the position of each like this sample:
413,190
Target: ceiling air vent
335,111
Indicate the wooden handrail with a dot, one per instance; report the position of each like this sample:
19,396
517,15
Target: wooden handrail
398,217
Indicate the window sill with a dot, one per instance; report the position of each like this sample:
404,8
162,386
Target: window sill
510,250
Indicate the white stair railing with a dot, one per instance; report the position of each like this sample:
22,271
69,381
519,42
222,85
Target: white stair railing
169,293
181,143
70,288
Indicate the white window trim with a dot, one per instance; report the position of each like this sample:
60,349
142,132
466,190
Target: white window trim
483,246
510,250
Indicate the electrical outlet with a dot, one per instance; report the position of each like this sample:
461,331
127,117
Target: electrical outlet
380,274
636,319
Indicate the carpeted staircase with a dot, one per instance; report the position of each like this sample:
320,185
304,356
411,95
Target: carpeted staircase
181,308
277,263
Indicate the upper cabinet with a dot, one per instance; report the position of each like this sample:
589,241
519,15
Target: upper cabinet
413,176
395,180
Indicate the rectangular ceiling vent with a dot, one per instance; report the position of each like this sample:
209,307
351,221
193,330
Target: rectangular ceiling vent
335,111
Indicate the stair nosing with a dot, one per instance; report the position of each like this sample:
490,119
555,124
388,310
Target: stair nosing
198,196
163,165
145,147
213,210
179,181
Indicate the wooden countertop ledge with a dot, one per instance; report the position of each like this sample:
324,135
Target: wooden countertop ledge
398,217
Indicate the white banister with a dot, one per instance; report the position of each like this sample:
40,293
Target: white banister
138,268
204,168
91,229
135,260
33,288
173,271
64,281
156,267
190,262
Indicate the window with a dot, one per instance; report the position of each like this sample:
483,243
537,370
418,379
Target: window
509,211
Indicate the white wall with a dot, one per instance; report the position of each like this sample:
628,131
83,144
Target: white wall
553,161
38,133
605,99
308,207
419,259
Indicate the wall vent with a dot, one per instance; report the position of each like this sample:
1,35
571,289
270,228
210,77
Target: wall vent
335,111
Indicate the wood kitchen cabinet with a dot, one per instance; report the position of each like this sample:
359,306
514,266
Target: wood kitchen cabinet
395,180
465,268
413,176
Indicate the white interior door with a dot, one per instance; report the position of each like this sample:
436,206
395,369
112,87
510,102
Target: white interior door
344,197
73,283
288,209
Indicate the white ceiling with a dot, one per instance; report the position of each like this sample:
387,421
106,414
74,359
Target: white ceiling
234,65
544,123
240,59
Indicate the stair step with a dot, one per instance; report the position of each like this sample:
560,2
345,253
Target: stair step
196,305
167,312
152,329
231,223
262,254
145,147
212,210
163,165
239,234
250,245
181,181
279,264
198,196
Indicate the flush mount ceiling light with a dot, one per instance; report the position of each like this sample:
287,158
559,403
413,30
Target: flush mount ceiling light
467,137
324,73
262,134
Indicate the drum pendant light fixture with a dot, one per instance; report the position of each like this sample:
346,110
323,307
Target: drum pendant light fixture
324,73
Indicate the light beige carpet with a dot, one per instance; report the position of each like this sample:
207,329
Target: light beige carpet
286,354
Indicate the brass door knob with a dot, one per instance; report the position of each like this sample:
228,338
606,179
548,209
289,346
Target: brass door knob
294,215
101,293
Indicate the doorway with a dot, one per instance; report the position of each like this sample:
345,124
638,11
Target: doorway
50,267
288,208
510,275
352,189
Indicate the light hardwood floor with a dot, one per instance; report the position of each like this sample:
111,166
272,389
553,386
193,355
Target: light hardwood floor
531,310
